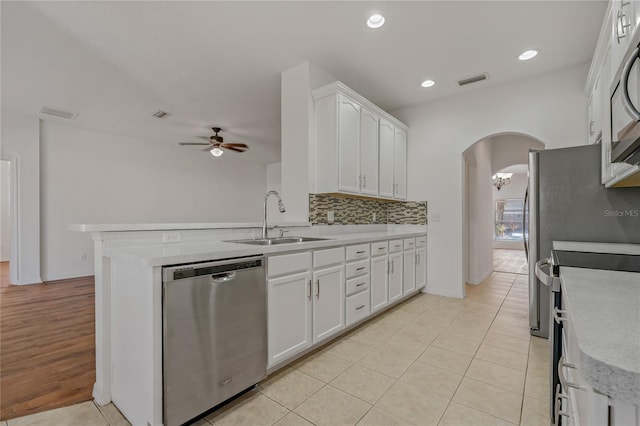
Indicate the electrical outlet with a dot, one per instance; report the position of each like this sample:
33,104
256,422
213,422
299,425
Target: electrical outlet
170,237
83,257
330,217
435,217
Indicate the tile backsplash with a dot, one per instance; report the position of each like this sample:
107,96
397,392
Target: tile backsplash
352,210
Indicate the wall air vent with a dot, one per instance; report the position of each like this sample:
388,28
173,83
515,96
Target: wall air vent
473,79
160,114
58,113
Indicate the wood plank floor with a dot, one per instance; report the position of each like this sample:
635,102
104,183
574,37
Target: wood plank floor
47,344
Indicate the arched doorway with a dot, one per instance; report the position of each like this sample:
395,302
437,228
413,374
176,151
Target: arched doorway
503,152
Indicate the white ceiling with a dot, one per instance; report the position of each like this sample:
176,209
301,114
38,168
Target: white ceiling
219,62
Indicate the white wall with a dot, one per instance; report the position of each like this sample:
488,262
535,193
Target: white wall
93,177
551,108
507,150
5,224
20,140
297,121
480,212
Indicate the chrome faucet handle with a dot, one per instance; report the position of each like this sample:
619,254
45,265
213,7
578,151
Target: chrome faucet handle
282,231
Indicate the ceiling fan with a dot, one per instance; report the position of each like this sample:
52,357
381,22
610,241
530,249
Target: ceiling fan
216,143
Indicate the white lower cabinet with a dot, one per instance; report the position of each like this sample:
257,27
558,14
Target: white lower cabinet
379,282
313,296
421,267
395,276
358,307
409,271
578,403
289,314
328,302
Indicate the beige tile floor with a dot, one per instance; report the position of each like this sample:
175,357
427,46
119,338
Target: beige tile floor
429,361
513,261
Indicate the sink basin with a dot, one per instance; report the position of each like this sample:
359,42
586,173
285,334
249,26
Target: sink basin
277,240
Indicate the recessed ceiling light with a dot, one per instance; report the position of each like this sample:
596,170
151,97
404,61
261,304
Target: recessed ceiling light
525,56
375,21
427,83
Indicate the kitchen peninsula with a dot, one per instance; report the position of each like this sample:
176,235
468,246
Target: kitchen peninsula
128,273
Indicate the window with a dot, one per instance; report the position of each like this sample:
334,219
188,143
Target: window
508,223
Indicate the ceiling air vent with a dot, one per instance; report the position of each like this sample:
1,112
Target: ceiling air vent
160,114
474,79
58,113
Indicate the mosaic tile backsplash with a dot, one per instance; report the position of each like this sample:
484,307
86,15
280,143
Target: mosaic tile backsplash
361,211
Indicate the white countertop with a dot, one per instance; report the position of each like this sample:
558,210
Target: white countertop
177,253
604,307
119,227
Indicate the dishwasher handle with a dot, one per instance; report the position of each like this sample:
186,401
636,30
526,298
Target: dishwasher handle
222,278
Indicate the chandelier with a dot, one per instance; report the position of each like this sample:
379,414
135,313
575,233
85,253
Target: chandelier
501,179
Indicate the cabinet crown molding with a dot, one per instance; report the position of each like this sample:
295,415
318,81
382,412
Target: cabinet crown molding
339,87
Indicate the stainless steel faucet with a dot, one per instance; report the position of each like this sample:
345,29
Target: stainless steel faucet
280,206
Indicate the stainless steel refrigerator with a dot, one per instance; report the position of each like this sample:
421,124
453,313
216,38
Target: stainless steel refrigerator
566,201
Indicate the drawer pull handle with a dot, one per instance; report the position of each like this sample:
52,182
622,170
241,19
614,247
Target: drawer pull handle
361,252
557,315
358,285
360,307
381,248
563,380
360,269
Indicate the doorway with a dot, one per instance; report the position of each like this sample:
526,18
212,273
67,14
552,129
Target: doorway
5,220
494,209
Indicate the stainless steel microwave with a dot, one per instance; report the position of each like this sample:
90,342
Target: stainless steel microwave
625,109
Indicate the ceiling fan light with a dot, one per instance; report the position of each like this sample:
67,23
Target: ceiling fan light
216,152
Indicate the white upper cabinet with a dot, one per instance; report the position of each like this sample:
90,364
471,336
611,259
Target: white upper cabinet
358,148
369,123
594,110
348,145
387,184
400,164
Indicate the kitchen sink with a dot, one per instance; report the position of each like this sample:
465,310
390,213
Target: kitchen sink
277,240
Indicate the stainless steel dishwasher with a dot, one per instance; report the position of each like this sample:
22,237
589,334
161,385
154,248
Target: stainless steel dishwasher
214,334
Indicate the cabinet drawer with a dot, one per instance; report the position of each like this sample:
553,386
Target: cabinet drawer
421,241
360,251
333,256
355,285
358,307
409,243
380,248
395,246
358,268
288,264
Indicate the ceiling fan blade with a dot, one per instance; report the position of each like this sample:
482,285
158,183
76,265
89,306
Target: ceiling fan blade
192,143
234,149
237,145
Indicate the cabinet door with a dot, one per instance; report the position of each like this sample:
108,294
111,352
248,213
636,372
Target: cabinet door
379,283
400,164
328,302
409,272
395,276
288,316
348,145
387,188
421,267
595,107
369,152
